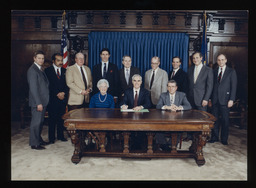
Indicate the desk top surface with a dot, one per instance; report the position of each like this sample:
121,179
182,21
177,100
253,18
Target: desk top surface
153,116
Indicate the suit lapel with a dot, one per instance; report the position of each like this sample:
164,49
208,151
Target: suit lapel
227,70
200,73
158,75
167,99
177,99
78,73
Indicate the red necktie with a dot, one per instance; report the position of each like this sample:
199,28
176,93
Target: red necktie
135,99
220,75
173,73
58,74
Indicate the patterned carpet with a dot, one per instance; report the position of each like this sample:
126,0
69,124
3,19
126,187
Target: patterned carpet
54,163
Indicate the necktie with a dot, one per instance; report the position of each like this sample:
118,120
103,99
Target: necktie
84,79
196,74
220,75
104,70
58,74
173,73
152,79
135,99
127,75
171,99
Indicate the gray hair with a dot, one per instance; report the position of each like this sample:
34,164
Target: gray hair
101,81
126,56
136,75
172,81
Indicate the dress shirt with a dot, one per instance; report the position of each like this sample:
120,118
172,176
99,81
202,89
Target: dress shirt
175,71
127,70
102,67
198,68
134,93
223,70
55,68
39,66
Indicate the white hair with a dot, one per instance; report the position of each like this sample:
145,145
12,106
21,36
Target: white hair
101,81
136,75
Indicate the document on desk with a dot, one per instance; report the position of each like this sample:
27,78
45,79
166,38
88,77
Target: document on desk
131,110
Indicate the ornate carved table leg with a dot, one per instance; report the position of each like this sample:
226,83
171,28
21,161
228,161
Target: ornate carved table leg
174,142
102,140
75,139
126,142
202,138
150,142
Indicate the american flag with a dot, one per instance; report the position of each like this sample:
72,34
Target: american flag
64,50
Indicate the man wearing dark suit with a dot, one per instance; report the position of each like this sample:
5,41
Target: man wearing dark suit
108,71
179,75
171,100
136,98
223,97
126,74
38,100
200,78
200,81
58,97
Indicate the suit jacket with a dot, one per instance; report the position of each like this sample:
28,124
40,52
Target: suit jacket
38,86
226,89
202,89
112,77
181,78
75,83
57,85
180,100
143,99
159,85
123,83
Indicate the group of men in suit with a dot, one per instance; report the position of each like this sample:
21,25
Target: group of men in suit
74,86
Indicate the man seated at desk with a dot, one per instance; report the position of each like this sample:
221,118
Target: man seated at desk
136,98
171,100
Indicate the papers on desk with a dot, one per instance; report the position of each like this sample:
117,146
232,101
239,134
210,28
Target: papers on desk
131,110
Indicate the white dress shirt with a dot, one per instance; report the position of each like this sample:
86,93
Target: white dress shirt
55,68
39,66
223,70
175,71
102,67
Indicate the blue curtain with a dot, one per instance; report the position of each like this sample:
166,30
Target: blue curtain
141,46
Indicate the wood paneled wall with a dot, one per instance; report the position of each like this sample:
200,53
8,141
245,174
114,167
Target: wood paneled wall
33,30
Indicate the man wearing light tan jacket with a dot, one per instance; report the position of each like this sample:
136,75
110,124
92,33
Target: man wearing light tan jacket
79,81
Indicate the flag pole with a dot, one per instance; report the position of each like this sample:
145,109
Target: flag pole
63,19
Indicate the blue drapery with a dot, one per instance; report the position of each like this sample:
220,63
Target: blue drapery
141,46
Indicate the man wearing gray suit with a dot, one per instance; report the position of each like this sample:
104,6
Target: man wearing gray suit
156,80
223,97
171,100
200,81
38,99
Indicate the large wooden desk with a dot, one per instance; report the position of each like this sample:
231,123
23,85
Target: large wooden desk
98,123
